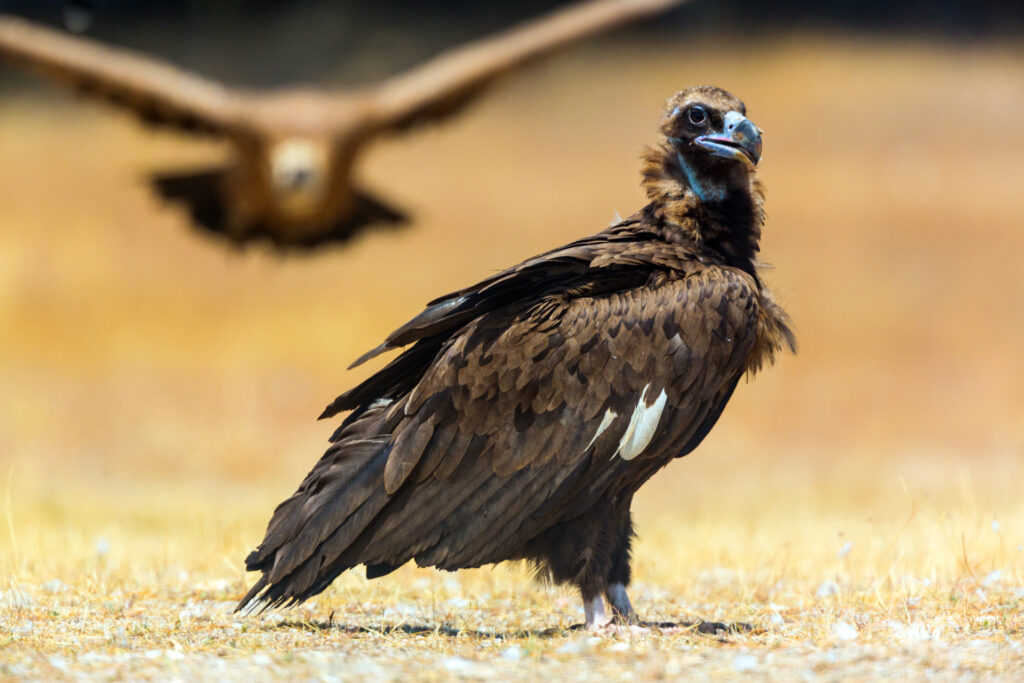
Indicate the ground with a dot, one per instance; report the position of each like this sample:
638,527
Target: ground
858,505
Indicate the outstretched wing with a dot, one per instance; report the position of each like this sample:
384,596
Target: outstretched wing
157,92
443,85
525,418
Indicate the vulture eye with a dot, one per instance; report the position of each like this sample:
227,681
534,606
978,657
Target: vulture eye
697,116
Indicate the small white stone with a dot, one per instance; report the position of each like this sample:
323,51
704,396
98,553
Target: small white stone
827,589
17,599
92,657
512,654
845,550
261,659
59,663
572,647
54,586
744,663
457,664
916,632
620,646
844,630
992,577
273,618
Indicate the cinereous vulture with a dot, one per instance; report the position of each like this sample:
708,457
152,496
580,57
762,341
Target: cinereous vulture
526,410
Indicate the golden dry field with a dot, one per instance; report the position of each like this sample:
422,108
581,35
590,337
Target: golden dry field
859,504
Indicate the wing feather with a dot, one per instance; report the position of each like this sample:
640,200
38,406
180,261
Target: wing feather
155,91
473,467
443,85
637,366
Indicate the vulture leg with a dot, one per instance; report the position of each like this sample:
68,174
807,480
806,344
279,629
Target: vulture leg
596,618
621,536
622,610
619,574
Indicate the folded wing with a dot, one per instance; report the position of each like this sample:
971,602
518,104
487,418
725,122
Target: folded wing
526,416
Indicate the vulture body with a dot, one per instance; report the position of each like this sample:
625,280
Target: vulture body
290,179
526,410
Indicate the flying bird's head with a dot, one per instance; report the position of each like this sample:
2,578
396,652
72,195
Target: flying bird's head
709,143
298,174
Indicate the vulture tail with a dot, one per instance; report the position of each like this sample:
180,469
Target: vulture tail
201,191
310,532
204,194
366,212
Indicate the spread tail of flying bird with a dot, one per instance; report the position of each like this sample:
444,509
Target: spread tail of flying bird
202,192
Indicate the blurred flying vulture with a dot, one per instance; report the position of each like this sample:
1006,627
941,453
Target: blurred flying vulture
291,179
526,410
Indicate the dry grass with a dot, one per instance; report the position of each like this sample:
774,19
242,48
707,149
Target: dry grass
158,390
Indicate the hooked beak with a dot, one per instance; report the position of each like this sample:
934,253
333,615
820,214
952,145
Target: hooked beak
741,139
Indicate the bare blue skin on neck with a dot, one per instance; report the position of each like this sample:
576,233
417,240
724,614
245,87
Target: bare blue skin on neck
704,192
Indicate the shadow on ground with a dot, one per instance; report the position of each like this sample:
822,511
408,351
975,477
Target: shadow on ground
715,628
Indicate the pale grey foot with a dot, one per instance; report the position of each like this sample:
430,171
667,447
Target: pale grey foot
596,618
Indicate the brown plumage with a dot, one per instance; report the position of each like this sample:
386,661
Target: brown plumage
527,409
290,181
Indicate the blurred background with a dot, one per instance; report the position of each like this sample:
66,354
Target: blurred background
157,383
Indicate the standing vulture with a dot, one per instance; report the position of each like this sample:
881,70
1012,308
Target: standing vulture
527,409
290,181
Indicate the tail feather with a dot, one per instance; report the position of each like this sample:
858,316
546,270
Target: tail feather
309,531
201,191
204,193
250,598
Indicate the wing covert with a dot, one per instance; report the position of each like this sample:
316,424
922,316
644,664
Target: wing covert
629,374
533,417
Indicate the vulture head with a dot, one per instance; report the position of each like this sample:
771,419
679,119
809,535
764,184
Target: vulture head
298,174
711,140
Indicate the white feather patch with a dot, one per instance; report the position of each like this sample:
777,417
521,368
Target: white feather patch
606,422
642,426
